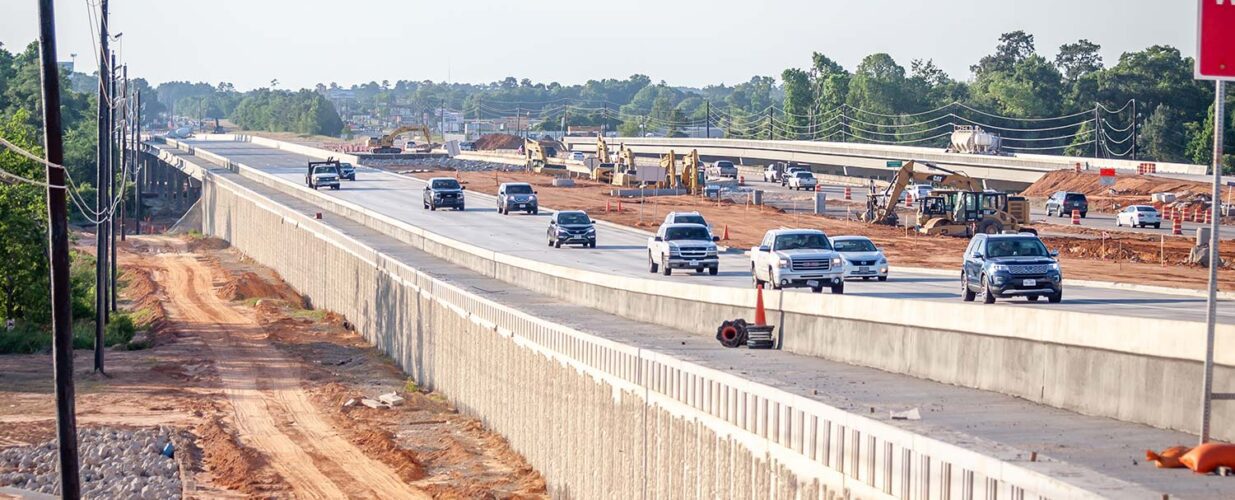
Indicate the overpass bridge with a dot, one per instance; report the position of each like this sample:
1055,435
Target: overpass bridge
617,388
871,160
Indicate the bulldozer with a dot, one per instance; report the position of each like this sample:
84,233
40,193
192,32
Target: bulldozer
541,158
386,143
965,210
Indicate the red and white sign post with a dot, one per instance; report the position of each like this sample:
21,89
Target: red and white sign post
1107,176
1215,60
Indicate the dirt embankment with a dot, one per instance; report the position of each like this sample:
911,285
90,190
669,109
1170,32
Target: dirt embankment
498,141
1124,258
261,383
1127,190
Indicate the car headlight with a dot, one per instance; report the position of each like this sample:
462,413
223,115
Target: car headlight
783,263
883,260
836,261
1054,266
673,250
997,268
591,230
712,251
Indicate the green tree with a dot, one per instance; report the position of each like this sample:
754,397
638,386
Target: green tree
24,284
1078,59
798,104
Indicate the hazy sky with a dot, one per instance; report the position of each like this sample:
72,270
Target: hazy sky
684,42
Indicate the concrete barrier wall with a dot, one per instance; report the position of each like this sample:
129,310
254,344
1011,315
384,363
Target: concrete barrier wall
605,420
1134,369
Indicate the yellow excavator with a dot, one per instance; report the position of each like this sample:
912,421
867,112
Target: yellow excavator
541,158
386,143
964,210
624,170
603,171
669,163
690,172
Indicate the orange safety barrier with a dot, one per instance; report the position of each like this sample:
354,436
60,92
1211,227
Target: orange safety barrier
1076,217
848,193
1176,226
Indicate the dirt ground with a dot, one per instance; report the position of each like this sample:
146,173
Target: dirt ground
262,383
1146,260
1128,189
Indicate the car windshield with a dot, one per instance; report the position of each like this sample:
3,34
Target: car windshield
814,241
724,164
1016,247
346,166
687,233
1146,209
689,219
853,246
519,189
572,218
445,184
1074,197
325,170
803,175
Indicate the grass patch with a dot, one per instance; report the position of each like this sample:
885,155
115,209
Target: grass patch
309,314
410,386
26,338
194,234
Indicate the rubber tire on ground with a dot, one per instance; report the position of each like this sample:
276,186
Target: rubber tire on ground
713,271
987,296
772,283
990,226
883,278
698,270
1157,225
1055,298
1083,214
557,244
727,334
550,241
459,208
866,278
967,294
535,211
432,207
1031,298
839,288
664,266
755,277
816,289
652,266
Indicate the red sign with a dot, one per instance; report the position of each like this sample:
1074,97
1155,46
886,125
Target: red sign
1215,40
1107,172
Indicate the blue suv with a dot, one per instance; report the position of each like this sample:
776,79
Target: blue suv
1008,265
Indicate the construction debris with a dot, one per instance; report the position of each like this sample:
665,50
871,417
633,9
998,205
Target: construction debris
391,399
913,414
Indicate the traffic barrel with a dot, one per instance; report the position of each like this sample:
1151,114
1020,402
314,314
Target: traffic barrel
1176,227
818,187
1077,166
741,180
1076,216
1196,214
848,193
1209,215
909,200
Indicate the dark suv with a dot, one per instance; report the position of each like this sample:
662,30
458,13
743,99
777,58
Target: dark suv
1008,265
517,196
571,226
443,192
1062,203
347,171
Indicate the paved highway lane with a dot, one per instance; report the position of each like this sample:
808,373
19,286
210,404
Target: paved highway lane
623,252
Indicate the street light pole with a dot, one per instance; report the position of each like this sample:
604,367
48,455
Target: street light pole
1211,306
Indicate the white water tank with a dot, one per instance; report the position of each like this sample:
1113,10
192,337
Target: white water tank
972,139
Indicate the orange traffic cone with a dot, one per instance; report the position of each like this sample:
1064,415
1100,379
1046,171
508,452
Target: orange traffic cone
725,236
1076,216
760,318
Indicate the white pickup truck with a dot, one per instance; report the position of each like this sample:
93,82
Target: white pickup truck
797,258
803,180
683,246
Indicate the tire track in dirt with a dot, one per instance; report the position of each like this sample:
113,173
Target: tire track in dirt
305,450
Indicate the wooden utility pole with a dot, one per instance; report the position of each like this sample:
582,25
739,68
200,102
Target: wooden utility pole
102,199
58,249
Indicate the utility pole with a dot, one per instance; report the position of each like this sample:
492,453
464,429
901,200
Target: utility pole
1096,123
708,120
769,123
126,157
111,189
101,200
58,249
137,186
1134,130
1211,305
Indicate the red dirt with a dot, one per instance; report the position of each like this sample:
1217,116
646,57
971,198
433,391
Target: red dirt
1136,262
234,466
498,141
1127,190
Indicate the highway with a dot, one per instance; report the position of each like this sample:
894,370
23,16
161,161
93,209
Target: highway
623,252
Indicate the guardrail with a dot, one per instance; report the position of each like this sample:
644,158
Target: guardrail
563,397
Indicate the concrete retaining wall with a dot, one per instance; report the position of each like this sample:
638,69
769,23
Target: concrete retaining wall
605,420
1134,369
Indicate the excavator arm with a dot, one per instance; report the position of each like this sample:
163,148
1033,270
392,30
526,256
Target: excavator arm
883,208
386,143
602,151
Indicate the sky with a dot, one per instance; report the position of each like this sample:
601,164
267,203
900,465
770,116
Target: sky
682,42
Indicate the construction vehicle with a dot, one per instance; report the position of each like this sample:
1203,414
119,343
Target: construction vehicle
669,162
541,158
603,171
624,170
972,139
964,210
218,129
386,143
692,171
323,174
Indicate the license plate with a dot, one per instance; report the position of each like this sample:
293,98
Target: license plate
812,283
1031,282
694,263
864,269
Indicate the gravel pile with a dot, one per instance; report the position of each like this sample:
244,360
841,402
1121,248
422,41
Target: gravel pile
115,463
455,163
